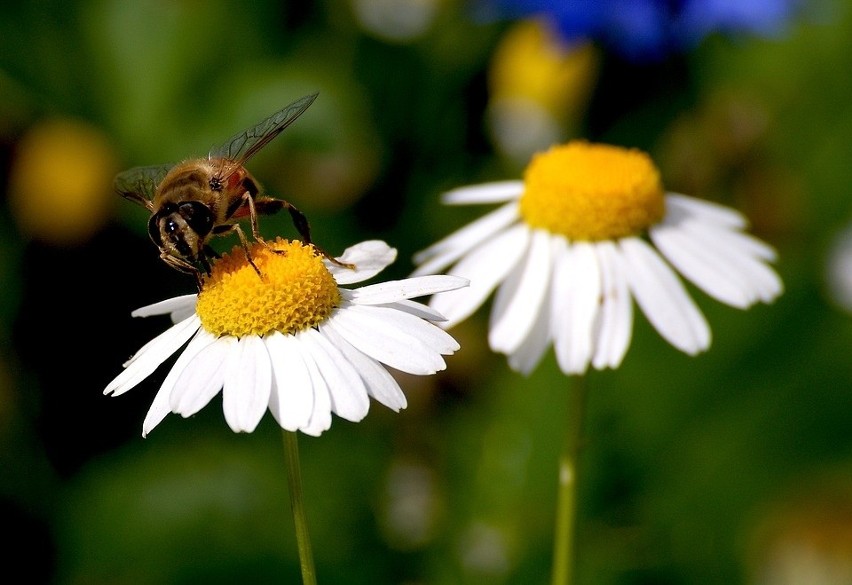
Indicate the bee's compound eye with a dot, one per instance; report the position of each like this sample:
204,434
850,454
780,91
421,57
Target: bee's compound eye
198,217
154,230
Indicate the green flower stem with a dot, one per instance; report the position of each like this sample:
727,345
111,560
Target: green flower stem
566,507
294,480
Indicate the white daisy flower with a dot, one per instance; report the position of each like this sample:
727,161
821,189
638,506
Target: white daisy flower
292,341
567,251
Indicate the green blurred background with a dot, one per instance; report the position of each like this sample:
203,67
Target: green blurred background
731,467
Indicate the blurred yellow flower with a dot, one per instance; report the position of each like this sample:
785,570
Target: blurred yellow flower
60,184
539,88
804,536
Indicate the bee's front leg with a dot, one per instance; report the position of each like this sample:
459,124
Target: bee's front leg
182,265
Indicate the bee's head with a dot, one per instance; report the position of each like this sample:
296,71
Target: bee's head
182,229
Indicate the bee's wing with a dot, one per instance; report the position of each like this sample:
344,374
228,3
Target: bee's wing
240,147
139,183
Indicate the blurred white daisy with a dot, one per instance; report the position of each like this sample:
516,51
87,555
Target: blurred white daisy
401,21
292,341
839,269
567,251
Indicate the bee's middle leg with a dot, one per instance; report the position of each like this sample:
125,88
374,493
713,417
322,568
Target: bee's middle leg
243,242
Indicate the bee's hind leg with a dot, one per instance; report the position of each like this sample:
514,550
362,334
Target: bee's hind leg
269,205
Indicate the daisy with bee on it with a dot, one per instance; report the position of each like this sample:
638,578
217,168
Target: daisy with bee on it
274,325
298,342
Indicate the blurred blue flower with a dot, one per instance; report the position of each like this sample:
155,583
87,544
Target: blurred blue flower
644,30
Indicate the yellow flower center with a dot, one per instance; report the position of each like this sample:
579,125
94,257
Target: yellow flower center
294,291
590,191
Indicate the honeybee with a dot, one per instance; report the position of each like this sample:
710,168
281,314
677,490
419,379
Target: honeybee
195,200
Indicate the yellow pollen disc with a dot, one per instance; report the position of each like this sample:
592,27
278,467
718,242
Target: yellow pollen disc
588,191
295,291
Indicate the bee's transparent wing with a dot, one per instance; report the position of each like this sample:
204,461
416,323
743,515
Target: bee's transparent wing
242,146
139,183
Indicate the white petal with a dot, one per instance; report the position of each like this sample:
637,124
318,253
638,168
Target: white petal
485,267
700,263
416,309
157,341
519,300
615,320
202,378
496,192
378,381
157,412
706,210
746,256
560,294
686,220
397,339
444,252
348,395
712,260
162,401
292,398
182,313
574,306
152,354
396,290
321,415
663,298
247,385
369,258
745,244
172,305
529,353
